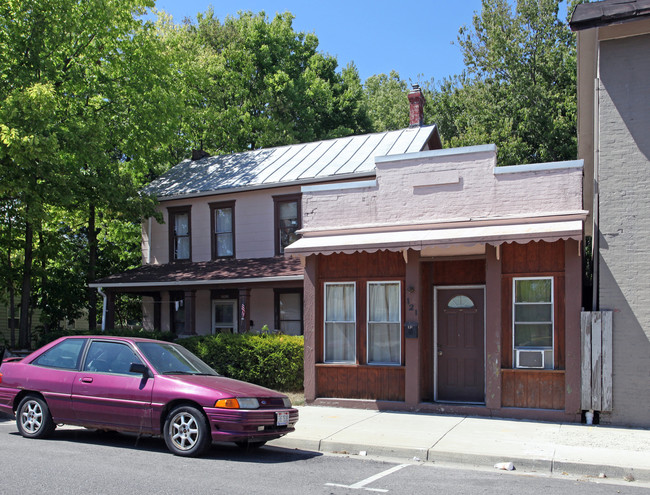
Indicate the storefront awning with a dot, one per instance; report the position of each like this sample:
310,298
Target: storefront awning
421,239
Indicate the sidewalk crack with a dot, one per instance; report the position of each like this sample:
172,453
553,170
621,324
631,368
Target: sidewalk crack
447,433
350,426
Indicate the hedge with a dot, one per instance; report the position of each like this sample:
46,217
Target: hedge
273,361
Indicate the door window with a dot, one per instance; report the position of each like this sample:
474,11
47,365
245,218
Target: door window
110,357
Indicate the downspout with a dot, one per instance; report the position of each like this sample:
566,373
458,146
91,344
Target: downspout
595,245
148,258
101,292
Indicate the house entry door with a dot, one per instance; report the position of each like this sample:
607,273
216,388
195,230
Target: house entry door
460,345
224,316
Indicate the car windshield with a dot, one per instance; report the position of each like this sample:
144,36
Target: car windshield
172,359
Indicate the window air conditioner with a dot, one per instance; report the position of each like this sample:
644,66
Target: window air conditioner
530,358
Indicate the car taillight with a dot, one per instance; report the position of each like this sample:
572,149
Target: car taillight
0,377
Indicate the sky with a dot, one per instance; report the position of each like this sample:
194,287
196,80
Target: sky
417,39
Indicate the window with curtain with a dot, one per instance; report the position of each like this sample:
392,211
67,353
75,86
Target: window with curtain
384,323
340,323
533,322
223,229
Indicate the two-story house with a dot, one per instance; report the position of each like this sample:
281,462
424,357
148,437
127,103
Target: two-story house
614,142
217,262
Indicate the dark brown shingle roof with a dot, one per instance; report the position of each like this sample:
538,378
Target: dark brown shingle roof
205,273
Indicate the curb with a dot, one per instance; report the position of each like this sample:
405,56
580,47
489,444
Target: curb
467,460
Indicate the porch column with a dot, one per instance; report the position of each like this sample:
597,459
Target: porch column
572,331
244,311
492,329
309,322
412,328
190,312
157,308
110,310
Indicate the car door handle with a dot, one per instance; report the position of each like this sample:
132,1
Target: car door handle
87,379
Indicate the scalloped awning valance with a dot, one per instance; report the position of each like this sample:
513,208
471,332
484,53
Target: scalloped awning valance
421,239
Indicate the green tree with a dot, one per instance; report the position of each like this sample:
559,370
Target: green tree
87,102
387,102
520,88
250,83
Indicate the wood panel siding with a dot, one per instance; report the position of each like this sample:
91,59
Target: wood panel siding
534,257
361,382
532,389
358,381
382,264
461,272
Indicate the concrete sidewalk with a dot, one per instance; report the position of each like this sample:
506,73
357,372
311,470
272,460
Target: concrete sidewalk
559,448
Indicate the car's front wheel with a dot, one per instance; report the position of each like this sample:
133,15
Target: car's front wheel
186,432
33,418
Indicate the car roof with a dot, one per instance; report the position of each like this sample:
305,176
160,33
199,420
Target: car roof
115,337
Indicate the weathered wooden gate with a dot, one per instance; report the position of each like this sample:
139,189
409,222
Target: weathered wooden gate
596,370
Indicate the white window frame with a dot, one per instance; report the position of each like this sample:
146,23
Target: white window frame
325,322
216,328
369,322
552,322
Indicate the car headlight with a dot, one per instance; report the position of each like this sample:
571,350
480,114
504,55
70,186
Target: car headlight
287,402
238,403
248,403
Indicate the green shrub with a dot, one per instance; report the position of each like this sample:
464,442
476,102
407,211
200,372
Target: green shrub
273,361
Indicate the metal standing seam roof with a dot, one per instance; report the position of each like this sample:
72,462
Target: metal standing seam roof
270,167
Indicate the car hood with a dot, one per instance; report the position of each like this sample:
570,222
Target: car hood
226,387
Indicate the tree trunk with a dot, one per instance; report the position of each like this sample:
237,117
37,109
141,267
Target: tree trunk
12,294
25,298
92,266
12,315
46,323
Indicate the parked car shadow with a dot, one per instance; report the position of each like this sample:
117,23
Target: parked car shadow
218,451
5,417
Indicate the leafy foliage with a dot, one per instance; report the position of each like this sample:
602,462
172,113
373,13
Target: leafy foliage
520,87
251,83
273,361
86,106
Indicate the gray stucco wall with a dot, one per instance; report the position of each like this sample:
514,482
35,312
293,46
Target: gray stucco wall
624,186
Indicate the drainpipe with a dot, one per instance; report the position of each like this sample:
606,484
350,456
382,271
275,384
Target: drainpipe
148,258
101,292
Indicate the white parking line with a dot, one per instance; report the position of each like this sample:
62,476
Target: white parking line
362,484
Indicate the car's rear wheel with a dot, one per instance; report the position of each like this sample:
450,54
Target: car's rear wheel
186,432
33,418
250,445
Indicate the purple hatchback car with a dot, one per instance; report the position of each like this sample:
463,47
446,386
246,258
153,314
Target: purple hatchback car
143,386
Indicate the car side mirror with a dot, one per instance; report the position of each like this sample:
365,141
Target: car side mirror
140,369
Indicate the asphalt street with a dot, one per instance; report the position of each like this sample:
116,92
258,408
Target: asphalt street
79,461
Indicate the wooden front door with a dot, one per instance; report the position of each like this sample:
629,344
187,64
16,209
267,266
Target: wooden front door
460,345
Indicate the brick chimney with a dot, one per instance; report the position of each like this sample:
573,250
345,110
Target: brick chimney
199,154
416,112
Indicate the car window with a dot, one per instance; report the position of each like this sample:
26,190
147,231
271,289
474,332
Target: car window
65,354
110,357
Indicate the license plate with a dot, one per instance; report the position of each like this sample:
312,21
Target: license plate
282,419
